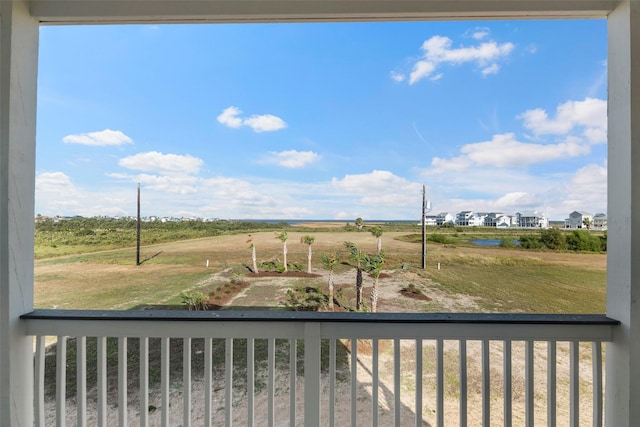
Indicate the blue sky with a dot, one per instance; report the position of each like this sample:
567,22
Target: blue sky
322,121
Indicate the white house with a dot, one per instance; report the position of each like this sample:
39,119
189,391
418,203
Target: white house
21,394
498,219
430,220
577,219
469,218
600,221
532,219
444,218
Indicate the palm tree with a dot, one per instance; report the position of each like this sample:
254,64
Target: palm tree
377,232
252,247
283,236
373,264
329,261
357,257
308,240
359,223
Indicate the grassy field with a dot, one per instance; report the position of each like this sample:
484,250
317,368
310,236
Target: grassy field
494,279
459,277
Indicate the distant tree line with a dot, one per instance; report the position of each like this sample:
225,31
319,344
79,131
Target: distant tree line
121,232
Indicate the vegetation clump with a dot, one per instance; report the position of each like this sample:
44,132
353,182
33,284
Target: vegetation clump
121,232
306,298
583,241
194,300
440,238
557,240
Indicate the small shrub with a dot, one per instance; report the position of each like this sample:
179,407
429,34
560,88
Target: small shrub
194,300
582,240
293,266
531,242
507,242
603,242
439,238
553,239
272,266
306,298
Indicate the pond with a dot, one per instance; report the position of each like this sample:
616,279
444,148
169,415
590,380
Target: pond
492,242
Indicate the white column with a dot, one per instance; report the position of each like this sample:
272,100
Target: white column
18,78
623,267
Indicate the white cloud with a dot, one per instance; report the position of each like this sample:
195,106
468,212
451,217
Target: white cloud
176,184
154,161
379,188
292,158
101,138
587,190
57,195
590,115
265,123
421,70
491,69
505,151
517,200
480,33
493,175
397,77
228,117
438,50
259,123
54,182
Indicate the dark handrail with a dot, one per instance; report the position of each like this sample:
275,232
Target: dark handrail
304,316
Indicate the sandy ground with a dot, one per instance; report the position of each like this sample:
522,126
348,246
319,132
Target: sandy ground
386,395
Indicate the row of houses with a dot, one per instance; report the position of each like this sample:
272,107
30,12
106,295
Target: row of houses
582,219
43,218
524,219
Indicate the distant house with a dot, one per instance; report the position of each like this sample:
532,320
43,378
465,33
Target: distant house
498,219
469,218
444,218
462,218
430,220
532,219
600,221
577,220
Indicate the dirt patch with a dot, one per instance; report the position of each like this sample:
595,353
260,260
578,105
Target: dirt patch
220,296
414,293
382,276
278,274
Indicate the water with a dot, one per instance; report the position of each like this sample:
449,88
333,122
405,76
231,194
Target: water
491,242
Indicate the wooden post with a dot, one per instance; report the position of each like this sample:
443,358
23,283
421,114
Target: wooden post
18,81
623,251
424,228
138,230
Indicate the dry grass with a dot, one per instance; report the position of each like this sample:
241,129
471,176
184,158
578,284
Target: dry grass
497,279
470,279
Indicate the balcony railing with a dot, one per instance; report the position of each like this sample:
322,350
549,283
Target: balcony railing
173,368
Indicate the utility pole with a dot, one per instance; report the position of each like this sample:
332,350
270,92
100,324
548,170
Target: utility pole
138,230
424,228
